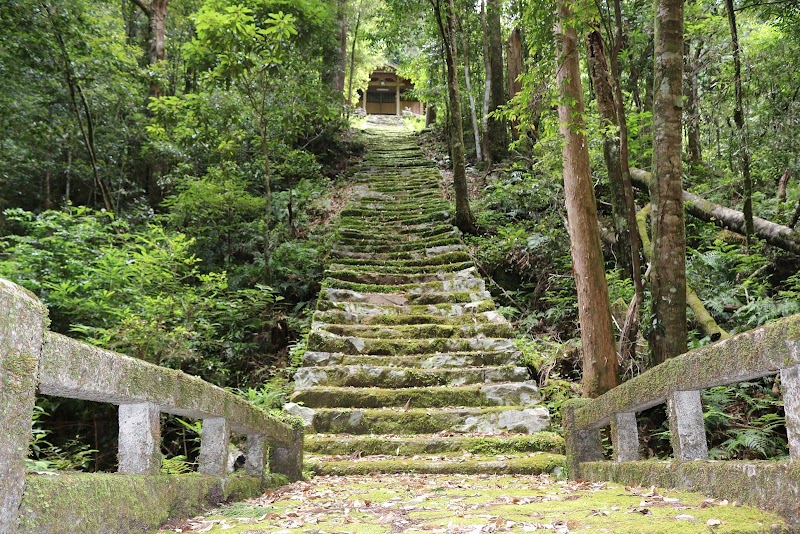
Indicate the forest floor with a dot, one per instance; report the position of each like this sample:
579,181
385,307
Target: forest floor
460,504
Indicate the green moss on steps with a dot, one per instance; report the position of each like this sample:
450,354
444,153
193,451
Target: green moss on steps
415,445
532,464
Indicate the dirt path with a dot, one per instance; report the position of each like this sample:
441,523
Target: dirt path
460,504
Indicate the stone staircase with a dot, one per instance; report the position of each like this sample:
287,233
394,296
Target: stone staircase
409,367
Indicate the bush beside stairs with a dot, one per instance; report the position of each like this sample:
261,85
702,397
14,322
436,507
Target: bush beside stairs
409,367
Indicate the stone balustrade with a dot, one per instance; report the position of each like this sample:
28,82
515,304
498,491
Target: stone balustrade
768,350
32,357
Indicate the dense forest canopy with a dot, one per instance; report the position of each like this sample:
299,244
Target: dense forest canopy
170,170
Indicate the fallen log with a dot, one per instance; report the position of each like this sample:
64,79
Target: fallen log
775,234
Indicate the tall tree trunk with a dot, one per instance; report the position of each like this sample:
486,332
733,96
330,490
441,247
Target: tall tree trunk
445,19
498,138
487,83
156,13
668,269
341,65
693,144
598,70
353,59
515,65
597,337
476,130
738,118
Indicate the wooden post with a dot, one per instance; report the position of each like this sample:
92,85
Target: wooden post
397,95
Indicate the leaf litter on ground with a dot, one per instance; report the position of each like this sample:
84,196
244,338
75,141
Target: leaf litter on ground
476,504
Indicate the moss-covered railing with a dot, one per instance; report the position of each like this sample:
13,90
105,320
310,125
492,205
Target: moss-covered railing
33,358
769,350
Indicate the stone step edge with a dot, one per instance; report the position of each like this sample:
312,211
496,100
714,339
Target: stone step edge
536,463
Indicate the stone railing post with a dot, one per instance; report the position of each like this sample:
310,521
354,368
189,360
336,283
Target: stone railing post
22,325
140,439
581,445
287,458
687,427
255,458
790,388
214,444
625,437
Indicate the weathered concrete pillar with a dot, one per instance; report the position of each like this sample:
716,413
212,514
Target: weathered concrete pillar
287,459
214,445
364,99
397,97
256,456
22,326
687,428
581,445
625,437
790,388
139,439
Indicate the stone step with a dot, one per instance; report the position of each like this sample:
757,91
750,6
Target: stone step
367,266
393,306
377,317
417,331
322,341
431,261
398,246
419,255
499,394
364,276
364,219
382,376
370,236
423,361
535,463
343,444
481,300
455,284
487,420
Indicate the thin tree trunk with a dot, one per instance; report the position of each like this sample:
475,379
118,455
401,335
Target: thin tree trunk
693,144
156,13
468,81
738,118
487,85
668,269
498,139
445,20
597,337
353,59
341,66
515,64
598,70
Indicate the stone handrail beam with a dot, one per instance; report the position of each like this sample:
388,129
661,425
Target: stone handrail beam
768,350
31,357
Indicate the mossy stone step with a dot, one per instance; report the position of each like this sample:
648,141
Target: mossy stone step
382,376
371,236
326,342
535,463
422,255
388,229
342,444
423,361
481,300
397,246
417,331
499,394
453,284
399,219
376,317
364,305
369,266
489,420
431,261
365,276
